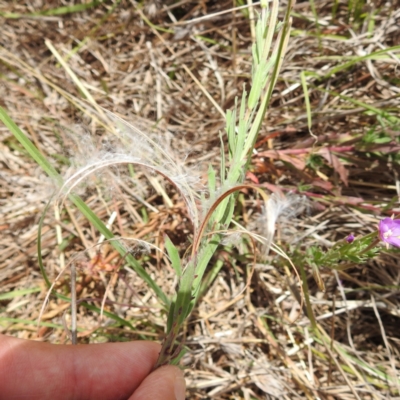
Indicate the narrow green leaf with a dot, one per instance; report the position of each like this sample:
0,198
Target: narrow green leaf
356,60
222,170
171,314
209,278
258,84
173,255
211,180
18,293
29,146
184,295
29,322
101,227
55,11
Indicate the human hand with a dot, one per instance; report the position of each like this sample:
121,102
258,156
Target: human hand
110,371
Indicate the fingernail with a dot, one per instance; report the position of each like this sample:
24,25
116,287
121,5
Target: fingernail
180,386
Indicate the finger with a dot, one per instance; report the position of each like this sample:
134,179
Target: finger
43,371
165,383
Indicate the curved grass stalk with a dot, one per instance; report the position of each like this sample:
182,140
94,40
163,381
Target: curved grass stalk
210,212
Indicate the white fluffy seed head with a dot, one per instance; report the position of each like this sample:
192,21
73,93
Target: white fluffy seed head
282,208
129,145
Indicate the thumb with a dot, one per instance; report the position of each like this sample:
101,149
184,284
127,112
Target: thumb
165,383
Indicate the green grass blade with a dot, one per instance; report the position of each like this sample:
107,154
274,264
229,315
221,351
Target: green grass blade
29,146
356,60
29,322
101,227
18,293
392,119
184,295
55,11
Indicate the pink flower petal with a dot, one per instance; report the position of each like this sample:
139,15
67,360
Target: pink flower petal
389,231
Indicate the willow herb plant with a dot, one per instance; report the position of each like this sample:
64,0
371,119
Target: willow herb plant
136,148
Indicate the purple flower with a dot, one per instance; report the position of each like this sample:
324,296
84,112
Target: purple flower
350,238
389,231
